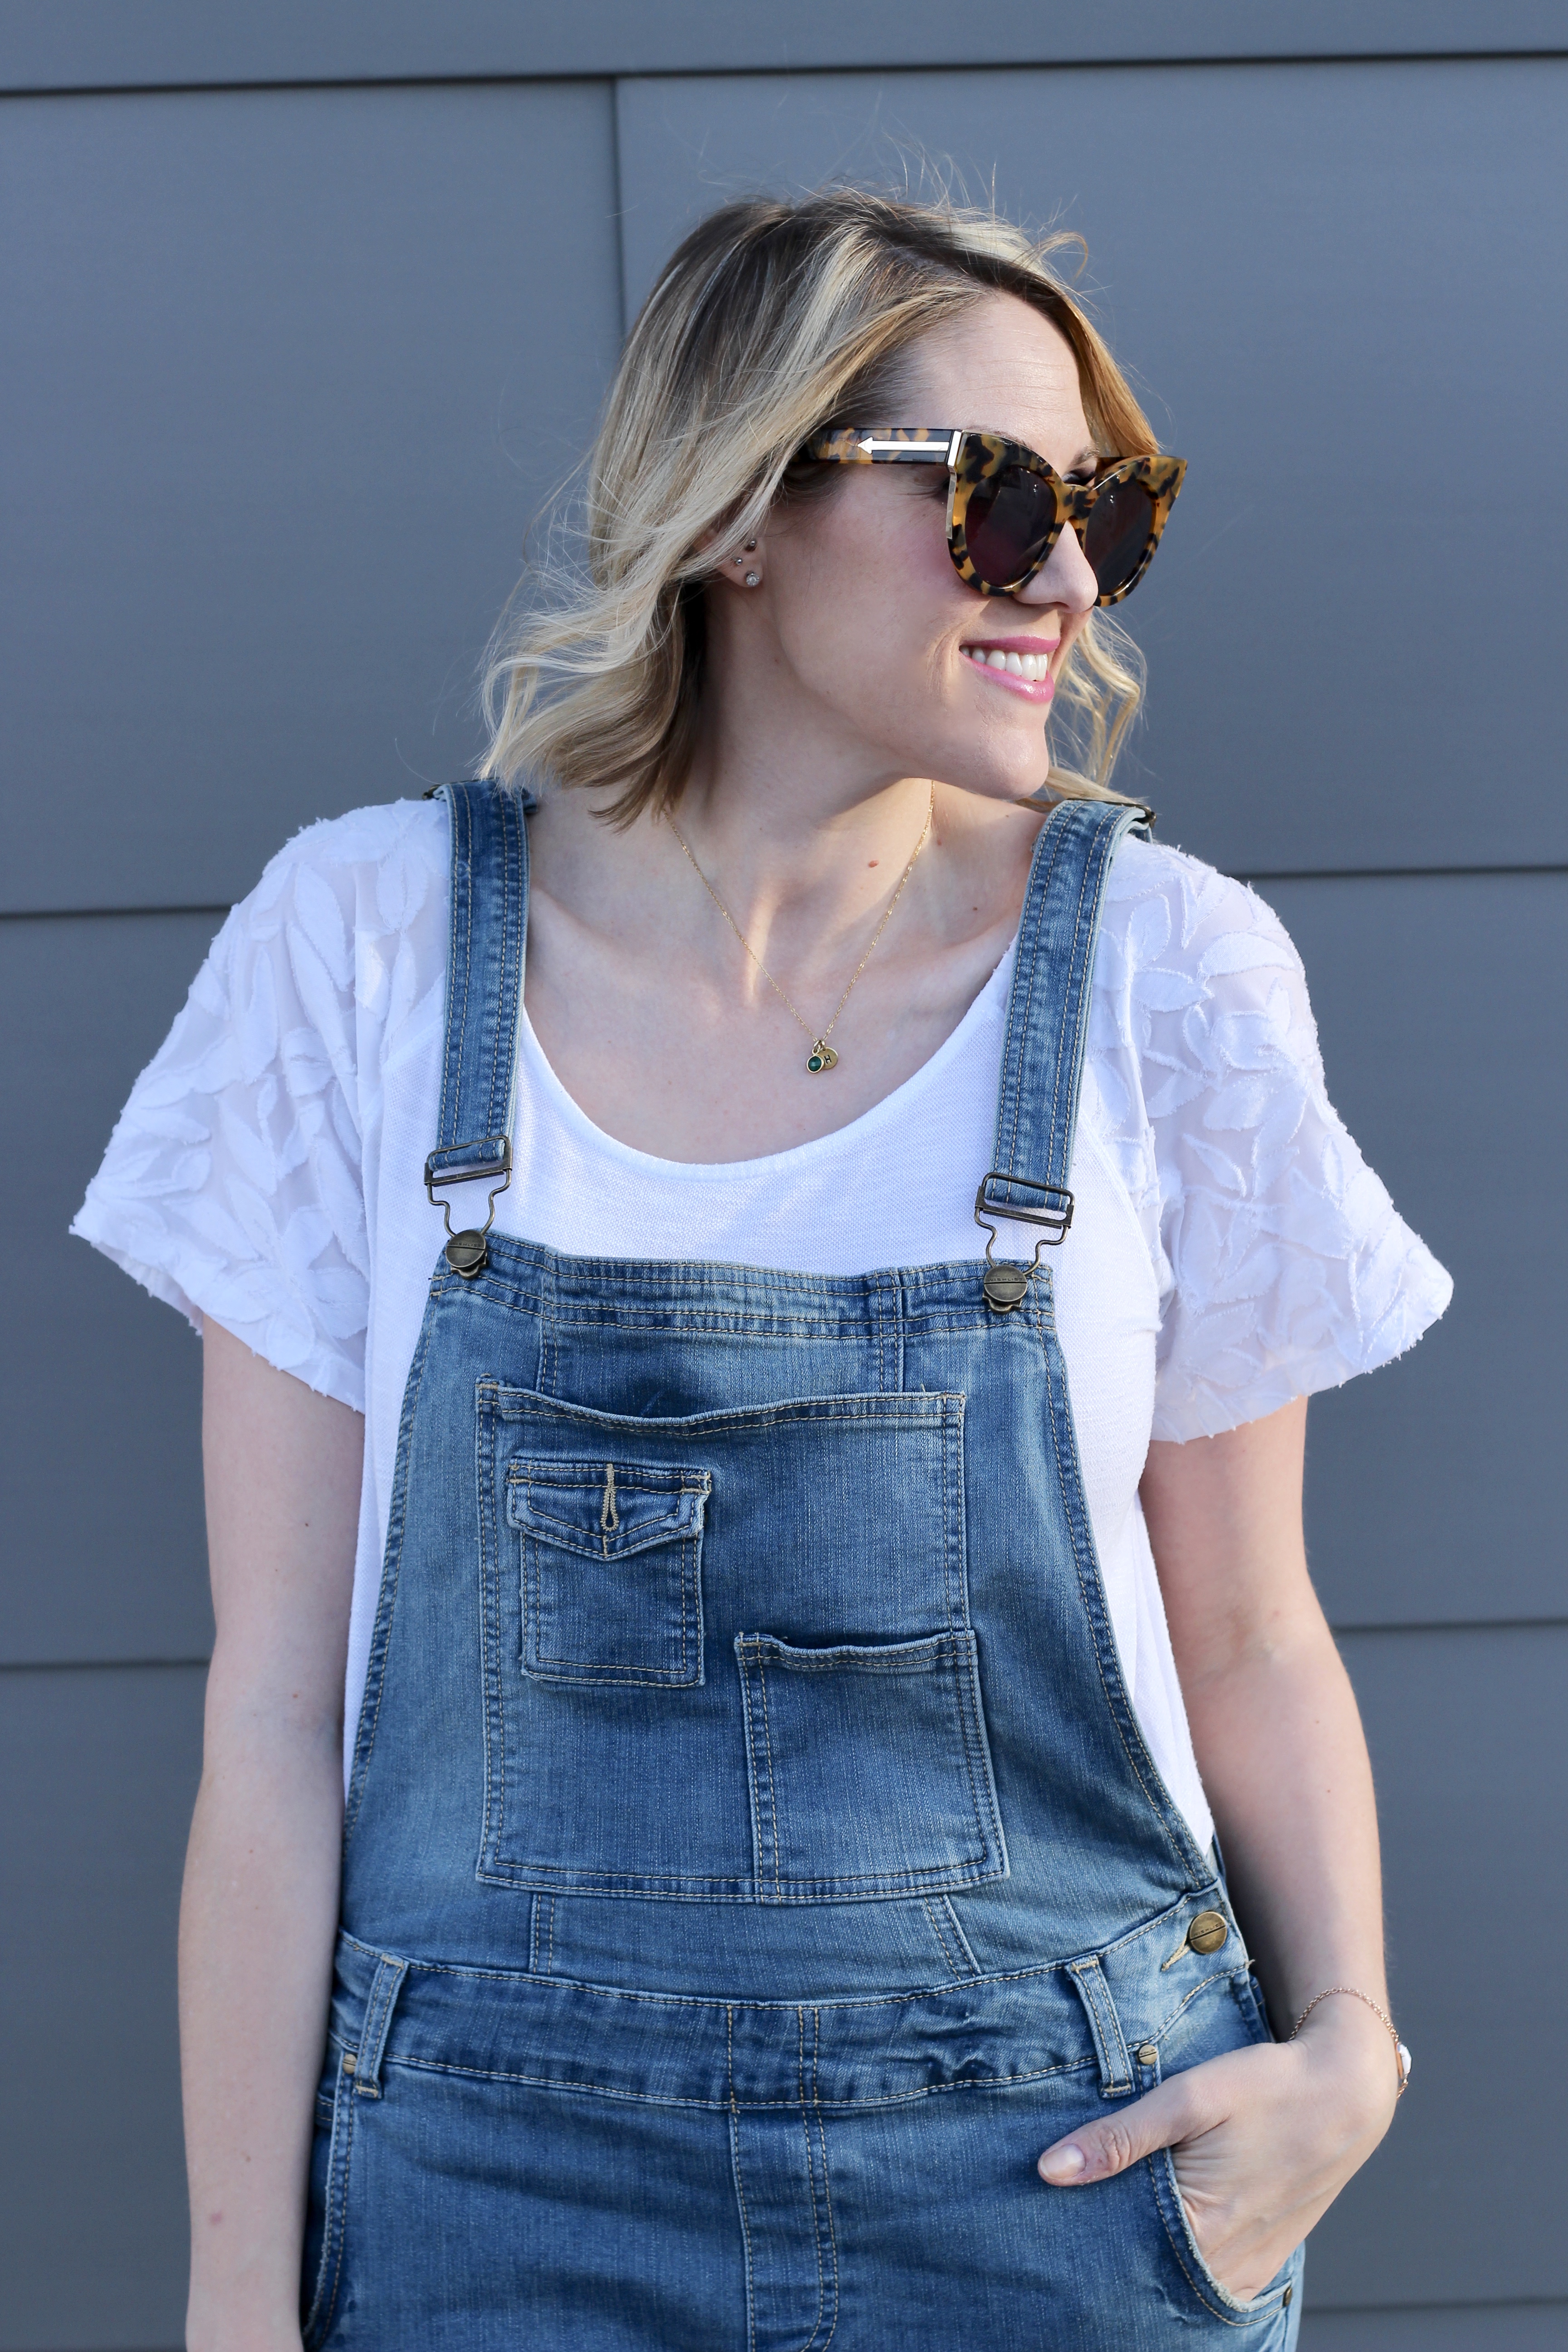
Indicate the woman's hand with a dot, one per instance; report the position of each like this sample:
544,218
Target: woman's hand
1263,2139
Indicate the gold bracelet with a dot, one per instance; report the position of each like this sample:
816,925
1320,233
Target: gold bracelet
1401,2055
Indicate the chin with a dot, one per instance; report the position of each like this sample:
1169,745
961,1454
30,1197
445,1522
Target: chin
996,780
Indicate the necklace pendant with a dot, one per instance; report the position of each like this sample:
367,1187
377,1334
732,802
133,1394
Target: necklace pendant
821,1057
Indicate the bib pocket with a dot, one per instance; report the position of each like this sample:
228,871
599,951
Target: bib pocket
870,1770
611,1569
839,1755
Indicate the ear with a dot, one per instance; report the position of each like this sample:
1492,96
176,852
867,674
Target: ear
741,565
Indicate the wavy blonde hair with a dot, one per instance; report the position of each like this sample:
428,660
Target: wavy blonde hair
770,321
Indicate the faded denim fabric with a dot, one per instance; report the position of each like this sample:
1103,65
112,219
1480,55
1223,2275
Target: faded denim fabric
753,1857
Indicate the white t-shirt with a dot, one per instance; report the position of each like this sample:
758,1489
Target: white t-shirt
1230,1249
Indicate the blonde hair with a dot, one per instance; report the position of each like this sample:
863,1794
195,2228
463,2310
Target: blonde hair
770,321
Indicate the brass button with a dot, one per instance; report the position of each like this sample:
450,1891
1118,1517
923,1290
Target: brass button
1289,2296
1005,1286
1207,1932
467,1253
1147,2054
348,2062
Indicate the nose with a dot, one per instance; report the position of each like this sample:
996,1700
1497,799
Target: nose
1065,577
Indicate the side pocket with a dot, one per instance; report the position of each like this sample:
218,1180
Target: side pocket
870,1768
1267,2319
330,2155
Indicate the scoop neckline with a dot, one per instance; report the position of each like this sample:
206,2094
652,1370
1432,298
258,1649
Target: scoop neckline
572,1115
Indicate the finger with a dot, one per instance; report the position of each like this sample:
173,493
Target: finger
1097,2150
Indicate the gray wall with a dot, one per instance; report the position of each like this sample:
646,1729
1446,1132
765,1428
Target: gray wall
308,311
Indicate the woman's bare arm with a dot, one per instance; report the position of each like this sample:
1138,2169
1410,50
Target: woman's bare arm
260,1905
1265,2138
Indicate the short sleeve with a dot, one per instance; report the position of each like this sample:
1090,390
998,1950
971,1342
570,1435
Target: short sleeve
234,1185
1282,1263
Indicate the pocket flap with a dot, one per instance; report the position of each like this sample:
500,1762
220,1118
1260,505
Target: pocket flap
606,1510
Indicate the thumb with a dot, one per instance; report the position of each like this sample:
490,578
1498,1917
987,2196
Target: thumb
1099,2149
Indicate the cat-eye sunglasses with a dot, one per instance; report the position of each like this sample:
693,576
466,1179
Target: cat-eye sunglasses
1007,508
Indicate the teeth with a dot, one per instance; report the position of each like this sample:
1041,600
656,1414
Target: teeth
1032,666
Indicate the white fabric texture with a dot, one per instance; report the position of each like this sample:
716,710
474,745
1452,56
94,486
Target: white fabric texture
1230,1248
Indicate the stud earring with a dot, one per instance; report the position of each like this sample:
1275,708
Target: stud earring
753,578
750,543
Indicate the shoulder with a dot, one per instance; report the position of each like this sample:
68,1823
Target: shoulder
341,908
378,864
1200,1031
1168,913
1196,977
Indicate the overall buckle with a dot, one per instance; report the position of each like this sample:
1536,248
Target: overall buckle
467,1253
1006,1285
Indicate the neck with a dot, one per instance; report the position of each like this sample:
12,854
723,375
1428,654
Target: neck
803,833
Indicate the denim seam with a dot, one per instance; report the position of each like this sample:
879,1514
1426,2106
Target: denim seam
456,959
930,1409
964,1690
768,1748
492,1821
826,2185
1056,1147
503,1048
753,1790
376,2024
732,2102
1233,2313
468,1974
669,1886
319,2318
386,1598
952,1968
1215,1976
1109,2043
982,1753
518,1976
956,1924
462,1026
810,2182
740,2184
1023,966
947,1560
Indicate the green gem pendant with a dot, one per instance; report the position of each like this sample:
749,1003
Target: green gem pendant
821,1056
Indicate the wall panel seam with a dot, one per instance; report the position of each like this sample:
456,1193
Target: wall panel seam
1342,1632
100,1665
221,908
839,68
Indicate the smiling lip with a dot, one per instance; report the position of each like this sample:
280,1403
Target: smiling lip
1033,652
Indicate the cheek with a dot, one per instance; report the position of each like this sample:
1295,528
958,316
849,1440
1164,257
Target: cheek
875,592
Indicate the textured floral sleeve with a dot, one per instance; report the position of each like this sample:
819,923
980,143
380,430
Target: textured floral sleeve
234,1183
1282,1263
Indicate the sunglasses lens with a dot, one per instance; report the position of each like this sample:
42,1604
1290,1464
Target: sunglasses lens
1008,524
1120,524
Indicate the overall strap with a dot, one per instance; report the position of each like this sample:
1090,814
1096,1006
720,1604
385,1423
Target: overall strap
1048,1020
484,993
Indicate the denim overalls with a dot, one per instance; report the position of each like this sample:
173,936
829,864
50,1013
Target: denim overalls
753,1859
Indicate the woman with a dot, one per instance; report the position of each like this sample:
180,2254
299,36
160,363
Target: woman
799,1645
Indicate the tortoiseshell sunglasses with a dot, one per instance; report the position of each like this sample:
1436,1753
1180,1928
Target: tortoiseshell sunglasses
1007,508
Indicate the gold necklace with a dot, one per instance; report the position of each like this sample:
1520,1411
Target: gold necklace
822,1056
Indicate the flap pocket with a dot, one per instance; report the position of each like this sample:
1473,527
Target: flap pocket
607,1510
610,1569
